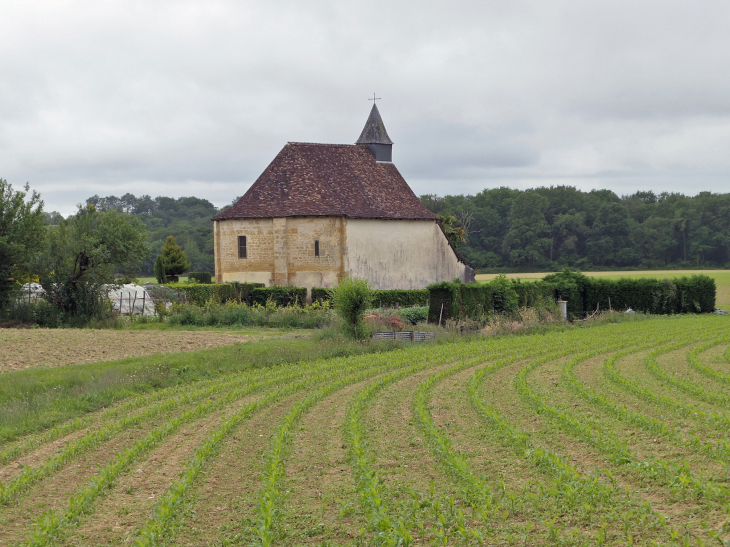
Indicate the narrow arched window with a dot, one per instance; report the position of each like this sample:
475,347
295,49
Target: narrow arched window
316,248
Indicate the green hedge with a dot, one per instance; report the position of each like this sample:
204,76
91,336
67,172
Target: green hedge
320,294
695,294
201,277
462,300
403,298
199,294
383,299
529,294
281,296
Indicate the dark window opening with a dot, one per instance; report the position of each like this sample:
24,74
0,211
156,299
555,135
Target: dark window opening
241,246
316,248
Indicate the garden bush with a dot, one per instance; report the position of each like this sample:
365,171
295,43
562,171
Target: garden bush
414,315
201,277
350,299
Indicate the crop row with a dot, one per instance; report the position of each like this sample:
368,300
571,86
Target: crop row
702,368
565,494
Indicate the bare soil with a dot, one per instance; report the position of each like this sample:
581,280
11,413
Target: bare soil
45,348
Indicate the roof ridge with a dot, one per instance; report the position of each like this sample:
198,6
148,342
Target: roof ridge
319,143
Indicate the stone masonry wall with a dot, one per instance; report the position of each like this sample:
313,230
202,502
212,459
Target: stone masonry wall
281,251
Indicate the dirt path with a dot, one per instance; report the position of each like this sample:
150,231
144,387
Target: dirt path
46,348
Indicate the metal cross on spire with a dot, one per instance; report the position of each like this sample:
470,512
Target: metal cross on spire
375,98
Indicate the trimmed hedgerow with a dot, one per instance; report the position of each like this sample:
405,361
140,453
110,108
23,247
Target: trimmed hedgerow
201,277
320,294
279,295
199,294
394,298
383,299
451,300
695,294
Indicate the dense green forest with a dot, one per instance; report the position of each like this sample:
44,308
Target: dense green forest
188,219
540,229
550,228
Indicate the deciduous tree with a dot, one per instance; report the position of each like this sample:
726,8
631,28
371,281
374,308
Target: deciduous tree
85,251
21,236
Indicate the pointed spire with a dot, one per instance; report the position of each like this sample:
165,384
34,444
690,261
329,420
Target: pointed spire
376,138
374,131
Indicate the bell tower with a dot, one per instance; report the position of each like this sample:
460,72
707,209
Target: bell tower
375,137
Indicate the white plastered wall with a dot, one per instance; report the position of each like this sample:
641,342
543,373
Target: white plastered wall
400,254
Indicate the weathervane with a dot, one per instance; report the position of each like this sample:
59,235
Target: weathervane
375,98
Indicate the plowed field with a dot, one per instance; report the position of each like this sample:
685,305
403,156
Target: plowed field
609,435
42,348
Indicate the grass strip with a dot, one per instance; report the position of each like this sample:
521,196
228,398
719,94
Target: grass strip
24,446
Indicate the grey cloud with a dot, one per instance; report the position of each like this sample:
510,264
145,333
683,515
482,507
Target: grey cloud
169,94
438,149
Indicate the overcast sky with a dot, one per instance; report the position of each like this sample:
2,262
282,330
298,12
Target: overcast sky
183,98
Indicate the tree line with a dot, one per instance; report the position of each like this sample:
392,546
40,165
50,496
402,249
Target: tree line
187,218
500,229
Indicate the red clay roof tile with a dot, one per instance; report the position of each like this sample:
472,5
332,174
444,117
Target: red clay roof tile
307,179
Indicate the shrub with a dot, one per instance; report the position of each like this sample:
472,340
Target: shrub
414,315
394,298
160,270
351,298
471,300
320,294
201,277
695,294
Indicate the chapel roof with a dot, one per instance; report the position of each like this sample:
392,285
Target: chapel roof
307,179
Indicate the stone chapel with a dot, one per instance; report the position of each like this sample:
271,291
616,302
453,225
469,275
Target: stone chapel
322,211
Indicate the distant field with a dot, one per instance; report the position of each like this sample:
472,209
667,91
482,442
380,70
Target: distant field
722,279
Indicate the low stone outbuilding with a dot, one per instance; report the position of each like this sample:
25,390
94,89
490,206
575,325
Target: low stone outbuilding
322,211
